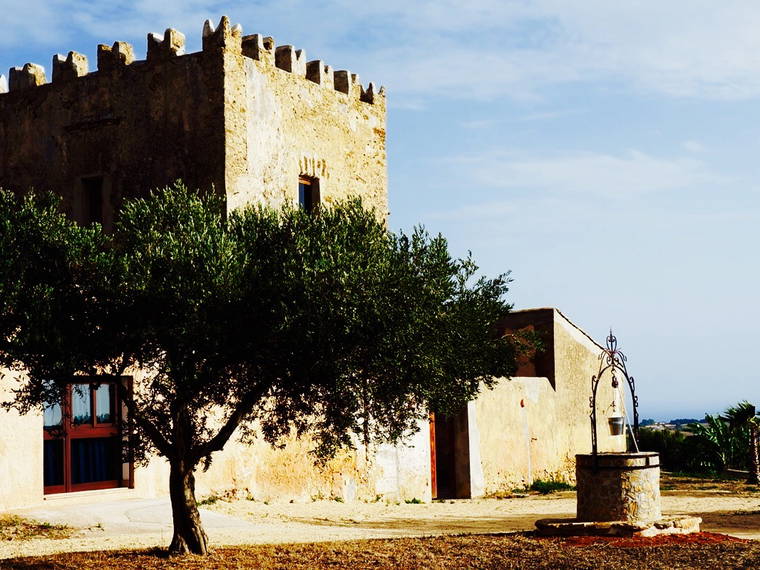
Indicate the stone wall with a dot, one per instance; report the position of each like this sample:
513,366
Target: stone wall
242,116
139,124
618,487
297,119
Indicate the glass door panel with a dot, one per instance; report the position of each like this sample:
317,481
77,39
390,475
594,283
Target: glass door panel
53,462
53,416
94,460
81,407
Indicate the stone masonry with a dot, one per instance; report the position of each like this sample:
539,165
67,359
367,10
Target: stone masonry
618,487
243,117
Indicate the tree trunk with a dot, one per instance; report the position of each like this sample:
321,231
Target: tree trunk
754,455
189,536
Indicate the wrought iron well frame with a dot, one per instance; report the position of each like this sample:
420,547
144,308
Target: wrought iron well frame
612,359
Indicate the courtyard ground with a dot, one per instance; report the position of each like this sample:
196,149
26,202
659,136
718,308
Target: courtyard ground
470,551
726,507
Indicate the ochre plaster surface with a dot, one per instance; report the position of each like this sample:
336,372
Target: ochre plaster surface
530,428
20,451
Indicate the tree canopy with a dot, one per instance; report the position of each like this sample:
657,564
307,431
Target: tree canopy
322,323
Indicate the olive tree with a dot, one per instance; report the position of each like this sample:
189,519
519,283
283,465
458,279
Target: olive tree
279,321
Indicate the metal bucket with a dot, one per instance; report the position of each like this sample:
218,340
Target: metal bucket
617,425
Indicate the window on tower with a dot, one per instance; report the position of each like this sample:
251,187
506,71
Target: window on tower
308,193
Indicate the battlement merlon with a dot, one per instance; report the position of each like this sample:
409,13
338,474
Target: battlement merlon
113,57
224,37
320,73
171,45
259,47
31,75
71,67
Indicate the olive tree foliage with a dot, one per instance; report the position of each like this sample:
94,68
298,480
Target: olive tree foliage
260,322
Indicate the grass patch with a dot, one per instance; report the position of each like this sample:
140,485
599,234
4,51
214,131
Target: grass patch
711,475
414,501
210,500
547,487
14,527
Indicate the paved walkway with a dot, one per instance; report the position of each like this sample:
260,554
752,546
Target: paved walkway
128,516
120,523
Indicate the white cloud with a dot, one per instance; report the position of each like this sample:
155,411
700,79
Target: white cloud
446,48
598,174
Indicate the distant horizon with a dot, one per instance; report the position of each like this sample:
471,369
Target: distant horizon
664,417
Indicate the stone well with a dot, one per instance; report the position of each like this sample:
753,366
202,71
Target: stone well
618,487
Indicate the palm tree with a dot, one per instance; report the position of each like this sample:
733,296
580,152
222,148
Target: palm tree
718,444
743,416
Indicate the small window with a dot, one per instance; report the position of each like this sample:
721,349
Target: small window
308,193
92,199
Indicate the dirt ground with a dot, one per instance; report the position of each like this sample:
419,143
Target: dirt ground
725,507
729,507
521,550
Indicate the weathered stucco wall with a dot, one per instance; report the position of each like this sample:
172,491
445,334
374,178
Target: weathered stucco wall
20,452
526,428
530,427
257,470
403,471
261,472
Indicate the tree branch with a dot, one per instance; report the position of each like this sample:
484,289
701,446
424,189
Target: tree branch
155,435
244,408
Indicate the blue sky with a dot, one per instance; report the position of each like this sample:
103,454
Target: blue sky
607,154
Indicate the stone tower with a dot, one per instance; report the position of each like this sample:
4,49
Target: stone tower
251,120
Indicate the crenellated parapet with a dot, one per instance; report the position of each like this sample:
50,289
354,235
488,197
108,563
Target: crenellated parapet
292,60
222,38
320,73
